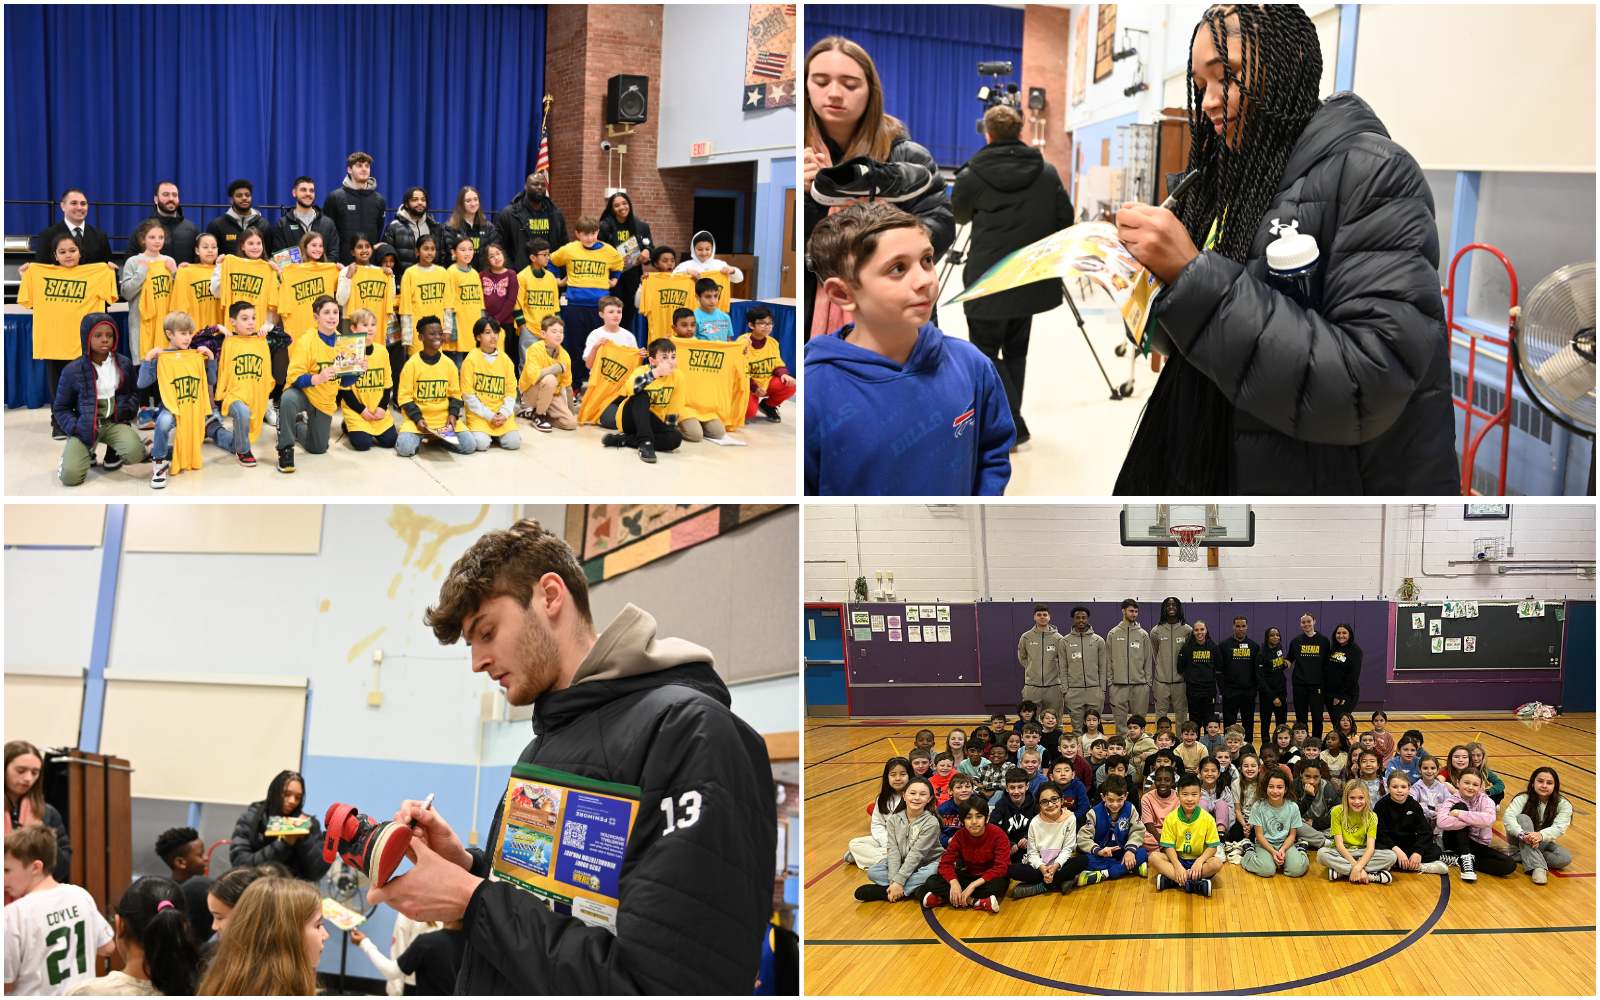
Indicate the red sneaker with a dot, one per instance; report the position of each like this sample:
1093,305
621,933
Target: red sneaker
930,901
988,903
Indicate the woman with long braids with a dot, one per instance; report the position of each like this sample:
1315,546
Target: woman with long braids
301,853
1343,388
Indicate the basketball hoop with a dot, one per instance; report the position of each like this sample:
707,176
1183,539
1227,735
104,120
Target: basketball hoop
1188,536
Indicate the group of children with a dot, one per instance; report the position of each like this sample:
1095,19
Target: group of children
1032,808
229,342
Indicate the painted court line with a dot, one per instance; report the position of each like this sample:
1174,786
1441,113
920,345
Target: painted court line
863,781
826,872
851,750
1524,746
852,942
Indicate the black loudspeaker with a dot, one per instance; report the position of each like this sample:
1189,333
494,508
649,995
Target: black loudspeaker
1036,98
627,99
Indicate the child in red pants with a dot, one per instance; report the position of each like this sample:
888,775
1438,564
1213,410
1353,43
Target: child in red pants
770,382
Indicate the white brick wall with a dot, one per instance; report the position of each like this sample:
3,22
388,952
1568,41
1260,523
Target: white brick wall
1315,551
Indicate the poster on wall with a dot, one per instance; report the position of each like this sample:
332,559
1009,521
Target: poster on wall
1452,645
911,614
618,538
944,612
914,634
1437,644
894,635
1469,644
877,623
1105,41
1434,625
1419,619
1080,55
768,62
930,633
860,617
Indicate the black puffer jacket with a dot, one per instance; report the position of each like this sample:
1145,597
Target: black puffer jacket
694,900
1355,399
932,207
520,222
355,210
404,232
1012,198
252,846
76,406
481,237
288,231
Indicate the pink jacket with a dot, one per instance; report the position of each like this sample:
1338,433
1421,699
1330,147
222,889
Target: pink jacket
1478,817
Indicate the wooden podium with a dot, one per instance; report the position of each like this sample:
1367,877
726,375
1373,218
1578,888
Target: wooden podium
91,791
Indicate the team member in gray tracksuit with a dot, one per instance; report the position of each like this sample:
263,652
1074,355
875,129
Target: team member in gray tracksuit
1168,636
1042,652
1128,648
1087,669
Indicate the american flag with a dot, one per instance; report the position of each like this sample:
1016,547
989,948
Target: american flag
543,162
770,64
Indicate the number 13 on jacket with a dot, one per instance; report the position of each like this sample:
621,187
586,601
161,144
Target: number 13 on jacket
563,838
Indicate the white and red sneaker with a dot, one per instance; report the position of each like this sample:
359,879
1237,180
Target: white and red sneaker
988,903
931,901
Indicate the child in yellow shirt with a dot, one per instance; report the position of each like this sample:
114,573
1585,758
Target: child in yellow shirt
430,395
546,382
648,415
488,381
368,406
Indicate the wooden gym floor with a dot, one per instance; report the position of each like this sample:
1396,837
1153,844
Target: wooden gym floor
1422,935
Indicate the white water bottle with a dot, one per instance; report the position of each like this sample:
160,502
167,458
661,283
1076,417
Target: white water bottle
1292,261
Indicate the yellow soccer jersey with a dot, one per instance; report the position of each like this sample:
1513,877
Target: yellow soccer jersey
538,359
1191,835
537,297
60,298
191,293
245,374
589,270
369,390
491,383
299,287
373,289
422,293
662,294
762,361
308,355
252,281
431,387
463,293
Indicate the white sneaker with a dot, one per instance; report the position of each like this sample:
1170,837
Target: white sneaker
1540,876
271,416
158,478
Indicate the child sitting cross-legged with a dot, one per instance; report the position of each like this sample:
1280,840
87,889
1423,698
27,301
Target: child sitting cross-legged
864,852
991,776
368,406
1190,848
1015,811
1405,830
1275,821
1535,819
1465,821
1074,797
1354,828
1318,797
1216,797
912,849
1158,803
949,809
430,396
973,869
1111,836
487,381
1050,863
1248,788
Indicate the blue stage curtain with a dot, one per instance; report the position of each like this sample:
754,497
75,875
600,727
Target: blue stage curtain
26,380
927,56
116,98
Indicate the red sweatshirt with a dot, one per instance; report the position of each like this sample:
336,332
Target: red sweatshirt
986,857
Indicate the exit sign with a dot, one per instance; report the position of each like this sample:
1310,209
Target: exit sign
700,149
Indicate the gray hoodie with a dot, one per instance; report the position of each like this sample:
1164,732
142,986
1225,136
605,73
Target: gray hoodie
1043,656
910,843
1129,649
1088,665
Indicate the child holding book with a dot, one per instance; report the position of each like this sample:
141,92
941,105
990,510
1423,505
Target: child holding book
429,395
368,406
487,377
313,389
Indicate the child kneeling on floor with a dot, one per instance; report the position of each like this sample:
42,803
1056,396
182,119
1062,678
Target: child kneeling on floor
1111,836
973,870
911,837
1354,827
1050,864
97,401
1190,848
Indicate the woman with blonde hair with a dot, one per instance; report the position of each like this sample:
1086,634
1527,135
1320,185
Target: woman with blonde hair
274,940
844,119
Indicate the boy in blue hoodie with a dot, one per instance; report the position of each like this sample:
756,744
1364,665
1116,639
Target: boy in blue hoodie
897,408
96,402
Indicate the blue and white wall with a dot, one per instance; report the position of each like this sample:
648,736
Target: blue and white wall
321,616
698,98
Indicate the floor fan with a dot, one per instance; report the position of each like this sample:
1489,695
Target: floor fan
1552,345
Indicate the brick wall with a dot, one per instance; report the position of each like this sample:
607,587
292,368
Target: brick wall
1310,551
586,45
1046,32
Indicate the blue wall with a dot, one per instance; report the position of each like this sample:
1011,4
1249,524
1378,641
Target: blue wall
927,57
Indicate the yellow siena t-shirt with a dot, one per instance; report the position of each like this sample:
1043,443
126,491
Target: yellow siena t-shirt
538,358
589,270
369,390
763,360
422,293
245,374
463,293
191,293
299,286
662,294
537,297
60,298
491,383
371,288
431,387
308,355
252,281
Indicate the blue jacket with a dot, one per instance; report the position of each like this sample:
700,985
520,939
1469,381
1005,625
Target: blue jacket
1076,798
939,425
1110,832
74,408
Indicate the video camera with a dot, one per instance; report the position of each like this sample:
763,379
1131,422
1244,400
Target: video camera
996,95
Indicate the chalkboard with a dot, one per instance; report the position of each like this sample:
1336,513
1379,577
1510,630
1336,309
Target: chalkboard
1504,641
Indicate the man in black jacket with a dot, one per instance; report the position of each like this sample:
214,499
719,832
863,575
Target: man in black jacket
695,888
304,217
530,214
181,233
1308,652
1238,670
74,211
355,206
230,225
1013,198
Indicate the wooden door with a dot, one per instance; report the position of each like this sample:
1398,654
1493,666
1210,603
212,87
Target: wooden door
1172,149
786,282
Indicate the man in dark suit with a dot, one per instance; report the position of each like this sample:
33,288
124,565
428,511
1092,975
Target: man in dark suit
75,209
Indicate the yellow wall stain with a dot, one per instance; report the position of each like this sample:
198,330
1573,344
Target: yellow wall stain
438,571
394,586
361,647
411,526
324,607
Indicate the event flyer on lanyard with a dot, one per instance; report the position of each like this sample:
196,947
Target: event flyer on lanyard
563,838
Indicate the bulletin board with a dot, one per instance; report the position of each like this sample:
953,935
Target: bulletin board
881,653
1502,637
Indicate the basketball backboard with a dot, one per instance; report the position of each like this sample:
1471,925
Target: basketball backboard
1153,524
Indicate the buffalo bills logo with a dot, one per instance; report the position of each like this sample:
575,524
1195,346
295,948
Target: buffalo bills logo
963,421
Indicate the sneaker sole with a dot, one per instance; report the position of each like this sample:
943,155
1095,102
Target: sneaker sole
842,197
